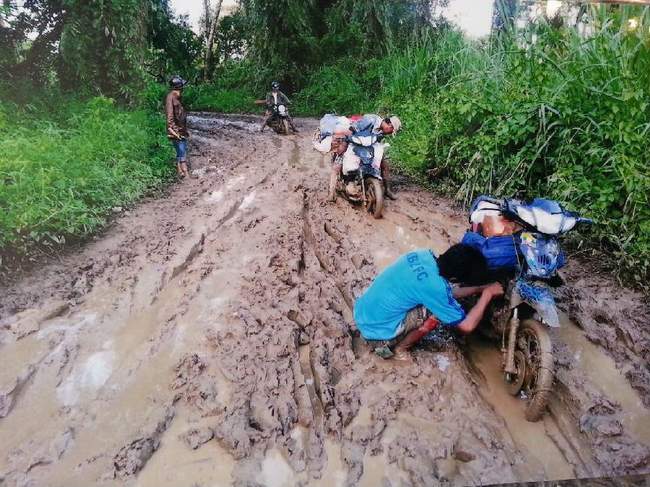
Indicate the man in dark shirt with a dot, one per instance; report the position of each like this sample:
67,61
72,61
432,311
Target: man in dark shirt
273,98
177,124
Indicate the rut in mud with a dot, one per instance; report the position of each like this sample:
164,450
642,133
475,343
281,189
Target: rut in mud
207,339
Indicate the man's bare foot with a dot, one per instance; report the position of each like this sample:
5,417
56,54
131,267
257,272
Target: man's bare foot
402,355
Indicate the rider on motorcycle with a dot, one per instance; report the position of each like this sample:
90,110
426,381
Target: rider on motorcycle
365,132
273,98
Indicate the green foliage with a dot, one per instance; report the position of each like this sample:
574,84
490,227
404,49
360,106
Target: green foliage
232,37
108,47
217,99
61,176
232,91
290,39
103,47
174,48
335,89
562,117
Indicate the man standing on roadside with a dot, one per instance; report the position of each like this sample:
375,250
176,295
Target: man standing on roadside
177,124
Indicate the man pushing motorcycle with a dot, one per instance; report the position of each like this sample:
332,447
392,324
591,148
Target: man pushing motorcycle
392,312
274,98
365,132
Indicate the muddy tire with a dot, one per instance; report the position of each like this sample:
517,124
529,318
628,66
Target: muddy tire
284,126
534,342
375,197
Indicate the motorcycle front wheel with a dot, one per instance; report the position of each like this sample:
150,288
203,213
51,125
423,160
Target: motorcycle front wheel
535,350
284,126
374,197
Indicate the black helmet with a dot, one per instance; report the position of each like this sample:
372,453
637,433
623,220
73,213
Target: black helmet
275,85
177,82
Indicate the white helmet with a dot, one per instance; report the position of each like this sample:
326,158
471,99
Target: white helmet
396,123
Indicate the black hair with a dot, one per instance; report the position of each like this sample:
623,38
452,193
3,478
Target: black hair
464,264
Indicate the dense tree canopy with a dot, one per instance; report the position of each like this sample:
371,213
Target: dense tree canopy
103,47
111,47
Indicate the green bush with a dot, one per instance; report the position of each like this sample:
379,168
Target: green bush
213,98
62,176
563,117
334,89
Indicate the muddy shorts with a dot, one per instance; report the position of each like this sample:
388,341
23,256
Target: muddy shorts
413,320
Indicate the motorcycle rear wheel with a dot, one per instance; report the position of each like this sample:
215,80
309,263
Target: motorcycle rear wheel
534,342
375,197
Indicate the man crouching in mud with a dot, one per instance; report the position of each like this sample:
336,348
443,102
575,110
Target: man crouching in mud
391,312
177,124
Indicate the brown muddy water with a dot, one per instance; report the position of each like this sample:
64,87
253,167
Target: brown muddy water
206,339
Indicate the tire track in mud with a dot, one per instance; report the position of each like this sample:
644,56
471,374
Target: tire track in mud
217,345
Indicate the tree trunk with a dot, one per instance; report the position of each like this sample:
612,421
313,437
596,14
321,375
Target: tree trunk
206,19
210,41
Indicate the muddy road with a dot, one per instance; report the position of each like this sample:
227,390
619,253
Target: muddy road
206,339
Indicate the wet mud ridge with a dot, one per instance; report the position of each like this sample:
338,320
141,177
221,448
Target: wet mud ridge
206,338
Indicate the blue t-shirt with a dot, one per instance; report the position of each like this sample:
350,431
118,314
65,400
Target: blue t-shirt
412,280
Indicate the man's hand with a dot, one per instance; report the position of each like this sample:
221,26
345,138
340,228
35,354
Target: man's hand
493,290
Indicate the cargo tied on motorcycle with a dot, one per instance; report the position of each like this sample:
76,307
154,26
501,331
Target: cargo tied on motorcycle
520,243
356,169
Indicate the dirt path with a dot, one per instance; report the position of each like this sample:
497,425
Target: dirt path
206,339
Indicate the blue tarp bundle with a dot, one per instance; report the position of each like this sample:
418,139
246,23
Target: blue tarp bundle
499,252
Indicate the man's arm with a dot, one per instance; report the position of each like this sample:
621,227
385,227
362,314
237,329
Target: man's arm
172,129
284,99
475,315
463,292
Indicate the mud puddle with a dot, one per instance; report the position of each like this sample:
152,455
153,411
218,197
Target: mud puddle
601,370
544,458
207,339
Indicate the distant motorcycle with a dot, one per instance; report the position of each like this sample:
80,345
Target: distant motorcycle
279,119
529,306
358,182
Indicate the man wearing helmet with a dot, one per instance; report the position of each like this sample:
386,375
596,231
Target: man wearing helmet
177,123
273,98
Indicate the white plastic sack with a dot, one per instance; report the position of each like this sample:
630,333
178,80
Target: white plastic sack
351,161
545,222
324,145
484,209
331,124
380,149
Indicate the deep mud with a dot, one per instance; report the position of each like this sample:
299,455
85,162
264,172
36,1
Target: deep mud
206,339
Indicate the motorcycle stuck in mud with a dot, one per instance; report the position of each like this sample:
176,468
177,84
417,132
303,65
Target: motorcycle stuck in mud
279,119
357,165
521,245
358,183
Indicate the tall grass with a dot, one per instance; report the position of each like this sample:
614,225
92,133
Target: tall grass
63,171
546,113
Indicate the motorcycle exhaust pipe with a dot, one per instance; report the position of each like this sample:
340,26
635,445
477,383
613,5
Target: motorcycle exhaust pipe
512,339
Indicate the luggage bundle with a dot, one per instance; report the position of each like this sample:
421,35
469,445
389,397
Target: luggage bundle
503,229
493,235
